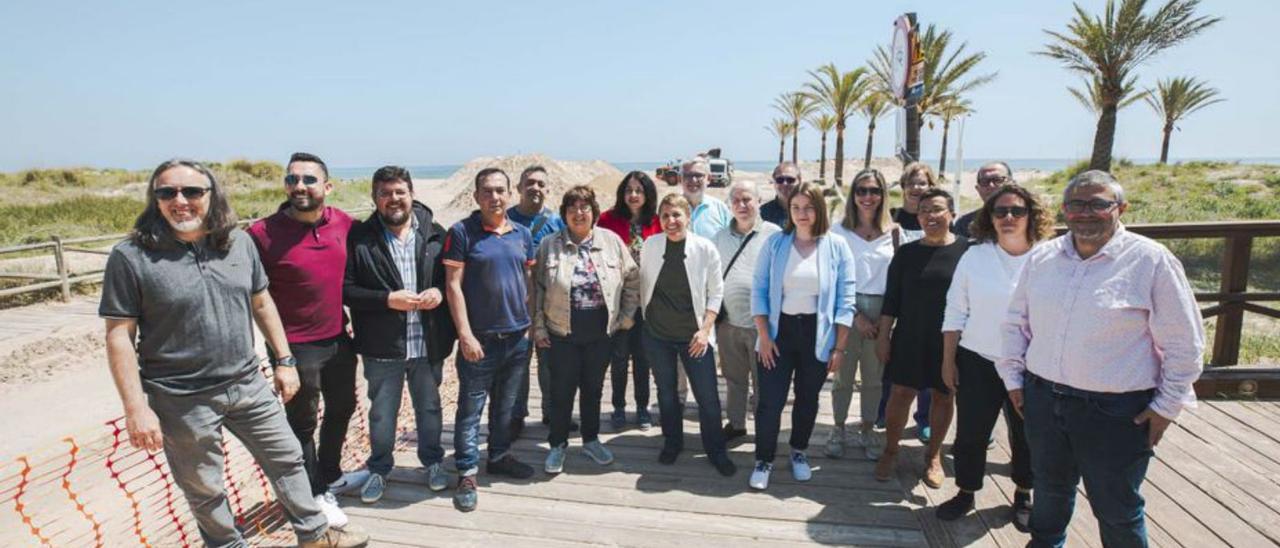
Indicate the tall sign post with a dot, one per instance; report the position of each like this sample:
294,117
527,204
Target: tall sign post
907,82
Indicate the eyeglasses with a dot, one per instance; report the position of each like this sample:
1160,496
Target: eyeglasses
694,176
580,208
1097,205
397,193
868,191
1001,212
915,184
290,180
993,181
166,193
785,180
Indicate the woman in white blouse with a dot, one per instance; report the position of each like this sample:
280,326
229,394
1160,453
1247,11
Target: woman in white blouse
1010,222
872,237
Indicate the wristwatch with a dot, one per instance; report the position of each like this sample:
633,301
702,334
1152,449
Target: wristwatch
285,361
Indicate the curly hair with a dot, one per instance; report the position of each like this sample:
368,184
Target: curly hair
1039,218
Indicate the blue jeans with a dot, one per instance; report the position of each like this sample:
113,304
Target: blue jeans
521,410
505,362
663,356
1075,434
386,380
796,340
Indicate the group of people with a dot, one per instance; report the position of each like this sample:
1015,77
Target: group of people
1088,342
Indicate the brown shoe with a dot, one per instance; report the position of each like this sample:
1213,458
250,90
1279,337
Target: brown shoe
933,474
884,466
350,536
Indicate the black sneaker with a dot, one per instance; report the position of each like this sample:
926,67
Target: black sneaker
510,467
731,433
668,455
955,508
1021,511
724,465
465,497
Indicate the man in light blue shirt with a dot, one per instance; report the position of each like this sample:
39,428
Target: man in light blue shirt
709,214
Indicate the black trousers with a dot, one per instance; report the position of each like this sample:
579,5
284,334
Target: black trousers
979,399
577,366
796,339
627,346
325,368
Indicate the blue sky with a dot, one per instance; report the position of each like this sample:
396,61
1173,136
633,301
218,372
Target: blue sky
129,84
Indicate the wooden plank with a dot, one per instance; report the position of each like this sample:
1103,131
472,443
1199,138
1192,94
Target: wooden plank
389,528
1251,415
1243,510
1219,429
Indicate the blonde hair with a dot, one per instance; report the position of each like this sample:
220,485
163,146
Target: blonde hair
910,170
881,217
675,199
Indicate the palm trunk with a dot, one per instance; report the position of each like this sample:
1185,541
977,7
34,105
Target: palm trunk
1164,146
871,133
942,158
839,152
822,160
795,144
782,150
914,122
1104,139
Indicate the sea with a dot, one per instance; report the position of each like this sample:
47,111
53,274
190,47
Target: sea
444,171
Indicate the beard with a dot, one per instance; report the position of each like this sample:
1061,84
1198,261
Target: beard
305,202
1092,231
189,225
394,218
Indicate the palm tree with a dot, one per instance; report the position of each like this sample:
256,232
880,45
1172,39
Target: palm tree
839,93
1109,48
948,110
781,128
944,68
880,99
1174,99
796,106
823,122
1090,94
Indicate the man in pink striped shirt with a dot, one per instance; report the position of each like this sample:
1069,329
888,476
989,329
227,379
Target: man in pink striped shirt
1101,345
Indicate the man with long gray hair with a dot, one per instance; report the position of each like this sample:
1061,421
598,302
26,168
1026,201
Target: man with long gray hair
1102,343
178,298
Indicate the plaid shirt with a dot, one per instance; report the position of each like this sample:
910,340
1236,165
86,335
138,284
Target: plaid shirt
402,252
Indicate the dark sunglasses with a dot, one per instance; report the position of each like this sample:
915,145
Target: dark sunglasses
993,181
167,193
785,180
868,191
1098,205
290,180
1001,212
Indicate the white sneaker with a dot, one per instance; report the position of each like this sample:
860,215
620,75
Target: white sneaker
760,476
874,443
349,481
800,466
329,505
835,443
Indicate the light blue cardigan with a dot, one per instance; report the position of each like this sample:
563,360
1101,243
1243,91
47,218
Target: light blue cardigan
836,295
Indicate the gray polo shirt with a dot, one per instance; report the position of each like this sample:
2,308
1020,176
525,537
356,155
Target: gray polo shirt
194,310
737,281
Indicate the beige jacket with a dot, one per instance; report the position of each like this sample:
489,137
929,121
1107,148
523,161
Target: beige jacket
553,274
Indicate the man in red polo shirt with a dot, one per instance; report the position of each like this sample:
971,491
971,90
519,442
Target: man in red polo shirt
303,247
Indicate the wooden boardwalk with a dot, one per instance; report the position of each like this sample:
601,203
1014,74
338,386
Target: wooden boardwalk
1215,482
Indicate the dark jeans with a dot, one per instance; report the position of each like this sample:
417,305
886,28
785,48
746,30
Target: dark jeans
796,340
579,366
325,368
505,361
521,410
386,380
663,357
923,401
979,399
627,345
1075,434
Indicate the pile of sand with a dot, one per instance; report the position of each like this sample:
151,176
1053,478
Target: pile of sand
561,176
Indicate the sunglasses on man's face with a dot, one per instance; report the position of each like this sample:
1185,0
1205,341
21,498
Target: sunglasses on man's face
166,193
993,181
785,180
868,191
290,180
1001,212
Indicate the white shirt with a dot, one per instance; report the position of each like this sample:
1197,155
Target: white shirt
978,299
1123,320
871,258
800,283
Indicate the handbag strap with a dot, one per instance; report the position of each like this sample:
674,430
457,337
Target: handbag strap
742,246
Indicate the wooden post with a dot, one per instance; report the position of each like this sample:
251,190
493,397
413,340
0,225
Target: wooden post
61,260
1235,279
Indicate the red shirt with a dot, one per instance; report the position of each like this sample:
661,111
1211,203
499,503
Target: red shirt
305,264
622,227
